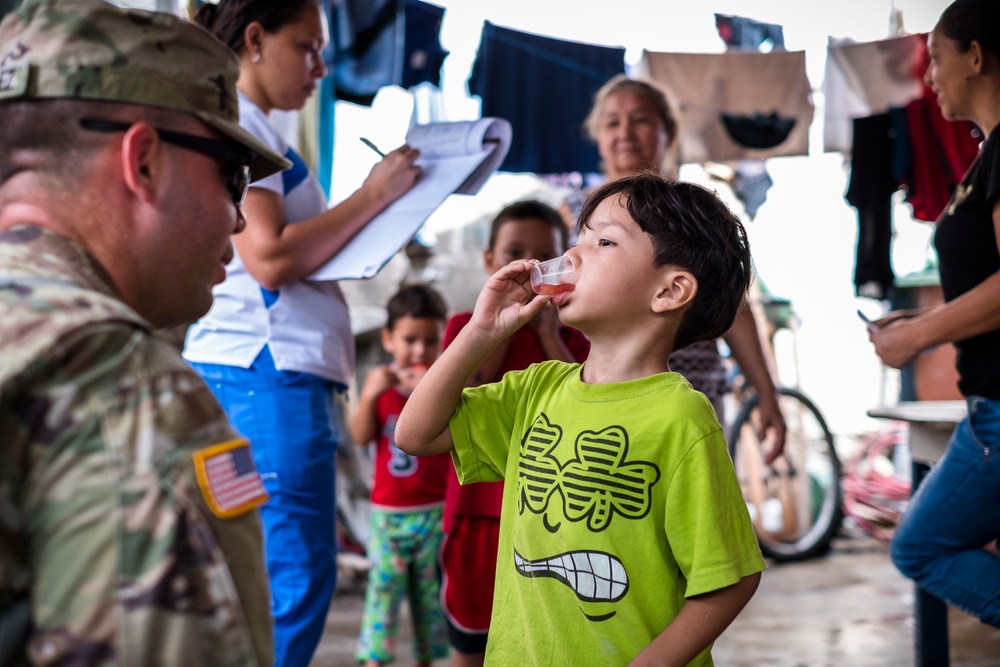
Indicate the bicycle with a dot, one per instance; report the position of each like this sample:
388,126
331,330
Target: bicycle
795,502
875,494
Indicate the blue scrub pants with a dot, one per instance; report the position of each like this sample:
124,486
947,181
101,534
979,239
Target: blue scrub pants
291,422
955,512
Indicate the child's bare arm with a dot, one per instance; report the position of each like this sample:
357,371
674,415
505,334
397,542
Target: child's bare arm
747,347
363,422
700,622
504,304
422,428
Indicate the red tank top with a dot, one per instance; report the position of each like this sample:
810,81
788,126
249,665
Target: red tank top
403,481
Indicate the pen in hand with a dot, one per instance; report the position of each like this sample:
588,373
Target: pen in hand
372,146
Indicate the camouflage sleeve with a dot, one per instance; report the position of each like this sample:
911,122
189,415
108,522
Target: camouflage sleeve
131,565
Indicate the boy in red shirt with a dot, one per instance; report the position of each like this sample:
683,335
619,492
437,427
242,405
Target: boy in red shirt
408,493
523,230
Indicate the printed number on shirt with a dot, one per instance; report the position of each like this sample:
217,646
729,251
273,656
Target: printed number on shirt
400,464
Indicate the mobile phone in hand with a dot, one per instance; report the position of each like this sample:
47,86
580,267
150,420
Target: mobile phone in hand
867,320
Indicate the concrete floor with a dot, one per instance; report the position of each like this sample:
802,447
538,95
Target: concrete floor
848,609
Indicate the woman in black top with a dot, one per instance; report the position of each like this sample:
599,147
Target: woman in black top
957,509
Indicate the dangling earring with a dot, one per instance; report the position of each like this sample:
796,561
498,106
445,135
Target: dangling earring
255,57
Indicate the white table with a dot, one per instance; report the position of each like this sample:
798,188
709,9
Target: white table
931,424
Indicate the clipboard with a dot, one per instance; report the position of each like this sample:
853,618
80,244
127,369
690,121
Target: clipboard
456,158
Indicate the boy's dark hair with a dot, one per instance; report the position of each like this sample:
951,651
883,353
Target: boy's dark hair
691,228
417,301
529,209
965,21
228,20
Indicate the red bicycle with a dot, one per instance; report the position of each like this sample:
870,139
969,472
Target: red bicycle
875,493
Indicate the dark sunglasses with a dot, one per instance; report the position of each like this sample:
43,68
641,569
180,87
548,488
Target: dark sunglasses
235,160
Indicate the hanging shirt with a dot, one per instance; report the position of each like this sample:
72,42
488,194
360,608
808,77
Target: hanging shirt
751,182
378,43
744,34
736,105
423,54
870,192
865,79
941,152
545,87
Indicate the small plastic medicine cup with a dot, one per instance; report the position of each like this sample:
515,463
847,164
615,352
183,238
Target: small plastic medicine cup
554,276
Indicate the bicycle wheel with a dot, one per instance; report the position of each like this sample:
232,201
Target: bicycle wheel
795,502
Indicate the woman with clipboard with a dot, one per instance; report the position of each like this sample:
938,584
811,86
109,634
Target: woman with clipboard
276,349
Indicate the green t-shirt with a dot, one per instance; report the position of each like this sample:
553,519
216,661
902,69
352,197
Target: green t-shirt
625,504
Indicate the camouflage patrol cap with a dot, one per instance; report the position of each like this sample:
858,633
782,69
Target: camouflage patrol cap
93,50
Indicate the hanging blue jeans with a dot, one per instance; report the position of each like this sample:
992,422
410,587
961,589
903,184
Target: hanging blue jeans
291,423
955,512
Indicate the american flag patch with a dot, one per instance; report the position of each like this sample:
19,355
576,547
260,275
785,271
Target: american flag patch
228,478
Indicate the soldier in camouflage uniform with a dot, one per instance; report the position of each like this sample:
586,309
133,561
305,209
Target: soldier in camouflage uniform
129,533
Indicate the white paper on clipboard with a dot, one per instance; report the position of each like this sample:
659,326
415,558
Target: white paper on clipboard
456,158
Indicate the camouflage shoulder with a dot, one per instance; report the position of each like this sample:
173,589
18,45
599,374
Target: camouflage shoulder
38,316
190,585
148,385
110,388
209,472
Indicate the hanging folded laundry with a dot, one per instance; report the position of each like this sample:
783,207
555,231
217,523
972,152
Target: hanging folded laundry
378,43
736,105
545,88
865,79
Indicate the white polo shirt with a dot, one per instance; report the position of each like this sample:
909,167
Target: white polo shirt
306,324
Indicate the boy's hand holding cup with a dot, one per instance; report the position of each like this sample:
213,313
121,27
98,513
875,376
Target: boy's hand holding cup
507,302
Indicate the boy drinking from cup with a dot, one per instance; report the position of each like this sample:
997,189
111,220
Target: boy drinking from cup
624,535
